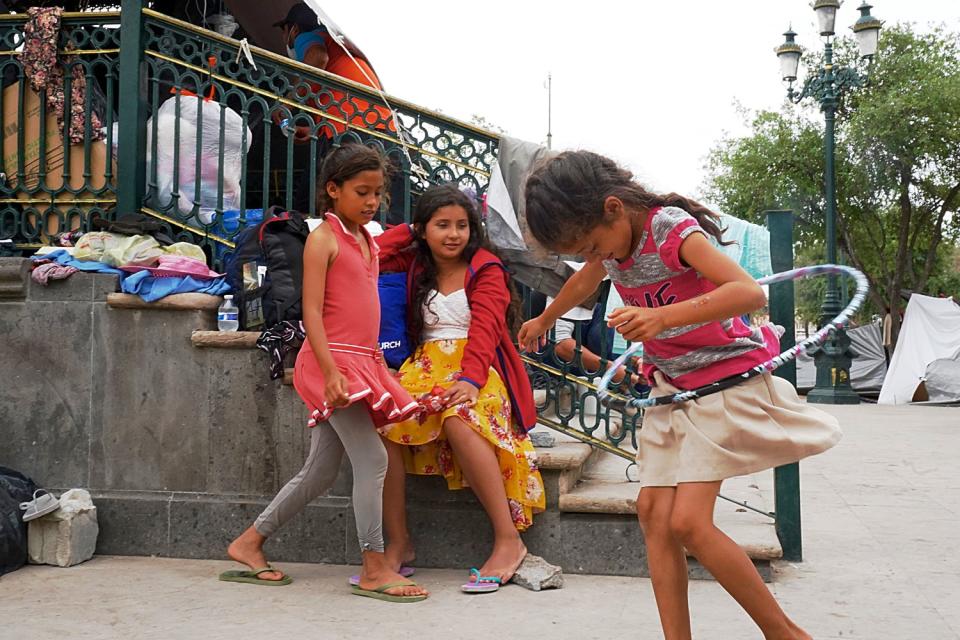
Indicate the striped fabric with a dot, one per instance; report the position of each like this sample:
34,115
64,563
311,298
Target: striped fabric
655,276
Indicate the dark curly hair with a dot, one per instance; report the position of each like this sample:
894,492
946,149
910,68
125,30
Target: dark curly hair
565,195
434,198
345,162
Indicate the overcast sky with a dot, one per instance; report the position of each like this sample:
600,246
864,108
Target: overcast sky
652,84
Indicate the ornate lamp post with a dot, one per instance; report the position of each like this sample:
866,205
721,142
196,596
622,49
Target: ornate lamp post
826,86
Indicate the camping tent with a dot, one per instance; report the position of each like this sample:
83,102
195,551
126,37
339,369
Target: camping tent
869,364
931,331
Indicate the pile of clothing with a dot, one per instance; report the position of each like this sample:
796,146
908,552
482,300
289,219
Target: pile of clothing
145,267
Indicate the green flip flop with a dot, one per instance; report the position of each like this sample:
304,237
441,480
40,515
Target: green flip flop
252,577
380,593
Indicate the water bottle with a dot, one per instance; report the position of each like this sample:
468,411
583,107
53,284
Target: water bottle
228,315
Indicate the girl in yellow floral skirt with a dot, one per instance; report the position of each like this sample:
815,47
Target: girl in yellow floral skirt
460,306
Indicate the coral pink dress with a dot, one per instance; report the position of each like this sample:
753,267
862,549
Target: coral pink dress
351,318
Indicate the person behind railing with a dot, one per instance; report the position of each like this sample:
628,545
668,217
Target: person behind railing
309,41
685,298
596,340
342,378
461,307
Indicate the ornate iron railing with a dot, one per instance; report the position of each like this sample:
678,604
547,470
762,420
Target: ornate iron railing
48,186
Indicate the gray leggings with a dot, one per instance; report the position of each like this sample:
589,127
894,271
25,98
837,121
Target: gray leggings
349,429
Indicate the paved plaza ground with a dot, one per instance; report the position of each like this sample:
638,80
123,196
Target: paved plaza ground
881,517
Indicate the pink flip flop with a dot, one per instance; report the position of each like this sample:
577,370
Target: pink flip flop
481,584
405,571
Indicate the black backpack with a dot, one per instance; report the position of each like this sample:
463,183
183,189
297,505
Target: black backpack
266,270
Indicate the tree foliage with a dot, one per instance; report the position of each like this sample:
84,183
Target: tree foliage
897,168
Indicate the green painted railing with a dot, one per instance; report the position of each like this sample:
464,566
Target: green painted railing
47,186
284,116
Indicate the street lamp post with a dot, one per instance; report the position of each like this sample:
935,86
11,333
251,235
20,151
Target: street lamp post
826,86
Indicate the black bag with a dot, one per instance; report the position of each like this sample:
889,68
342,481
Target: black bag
266,270
14,489
135,224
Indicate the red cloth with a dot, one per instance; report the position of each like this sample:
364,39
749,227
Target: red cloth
489,343
351,320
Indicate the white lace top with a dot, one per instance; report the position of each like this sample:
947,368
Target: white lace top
446,317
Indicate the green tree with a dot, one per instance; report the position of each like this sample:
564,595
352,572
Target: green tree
897,163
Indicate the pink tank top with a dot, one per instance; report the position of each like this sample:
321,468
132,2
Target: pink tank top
351,320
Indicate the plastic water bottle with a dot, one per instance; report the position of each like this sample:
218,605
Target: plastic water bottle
228,315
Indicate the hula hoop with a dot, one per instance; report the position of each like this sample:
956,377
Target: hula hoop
789,355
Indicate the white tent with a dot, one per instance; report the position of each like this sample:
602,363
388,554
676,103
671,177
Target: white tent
930,331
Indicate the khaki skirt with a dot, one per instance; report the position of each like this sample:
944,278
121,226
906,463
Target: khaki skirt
755,425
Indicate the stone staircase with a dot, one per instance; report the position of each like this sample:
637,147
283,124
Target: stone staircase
182,439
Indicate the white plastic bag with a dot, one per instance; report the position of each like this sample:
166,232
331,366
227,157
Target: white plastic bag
192,110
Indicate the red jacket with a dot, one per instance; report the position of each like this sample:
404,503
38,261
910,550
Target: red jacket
489,343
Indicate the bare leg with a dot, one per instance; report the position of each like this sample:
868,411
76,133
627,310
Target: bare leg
482,470
666,561
692,523
247,549
399,549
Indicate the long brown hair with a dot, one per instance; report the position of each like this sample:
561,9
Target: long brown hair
565,197
434,198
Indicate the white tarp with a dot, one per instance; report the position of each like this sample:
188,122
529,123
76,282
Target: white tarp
930,331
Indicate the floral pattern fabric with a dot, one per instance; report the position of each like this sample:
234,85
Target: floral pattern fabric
428,452
42,64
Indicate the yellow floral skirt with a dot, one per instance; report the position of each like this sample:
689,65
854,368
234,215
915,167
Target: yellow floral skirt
428,452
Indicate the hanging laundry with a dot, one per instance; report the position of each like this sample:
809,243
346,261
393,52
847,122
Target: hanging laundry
752,245
43,66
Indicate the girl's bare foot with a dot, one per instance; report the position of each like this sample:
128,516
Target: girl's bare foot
377,573
399,553
504,559
248,549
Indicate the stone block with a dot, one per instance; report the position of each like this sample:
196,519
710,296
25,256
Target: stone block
14,278
66,537
76,288
243,447
536,574
45,395
133,523
543,439
151,402
608,545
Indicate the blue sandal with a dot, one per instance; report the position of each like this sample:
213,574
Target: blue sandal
481,584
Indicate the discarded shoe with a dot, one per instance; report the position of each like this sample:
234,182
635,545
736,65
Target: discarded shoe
40,506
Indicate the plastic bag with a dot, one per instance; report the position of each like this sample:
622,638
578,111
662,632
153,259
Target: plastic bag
192,110
117,250
14,489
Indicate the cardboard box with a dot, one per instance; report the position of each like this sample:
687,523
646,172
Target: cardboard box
53,180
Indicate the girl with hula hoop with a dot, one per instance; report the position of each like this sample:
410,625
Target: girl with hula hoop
685,300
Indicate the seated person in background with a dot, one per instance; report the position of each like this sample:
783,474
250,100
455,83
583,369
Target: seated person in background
591,328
